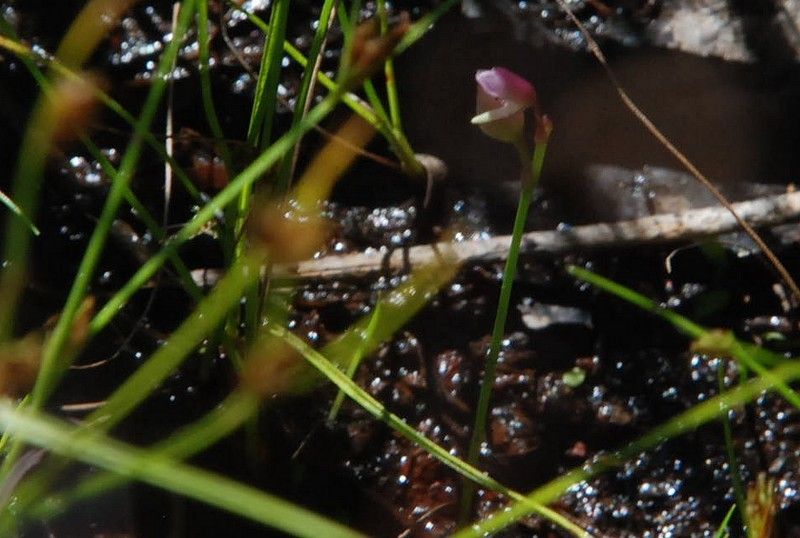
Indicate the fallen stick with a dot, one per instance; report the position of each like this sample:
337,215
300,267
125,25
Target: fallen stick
662,228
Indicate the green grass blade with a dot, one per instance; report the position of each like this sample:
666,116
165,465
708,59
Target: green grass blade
722,531
259,135
730,450
205,83
423,25
388,71
149,221
207,317
355,103
27,178
369,88
53,363
385,124
306,85
167,473
376,117
224,419
228,234
54,360
358,355
776,379
27,56
375,102
245,179
395,307
686,326
259,130
748,355
15,209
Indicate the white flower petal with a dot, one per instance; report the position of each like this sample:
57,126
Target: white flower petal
495,114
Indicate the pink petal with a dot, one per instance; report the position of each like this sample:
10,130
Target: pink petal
506,85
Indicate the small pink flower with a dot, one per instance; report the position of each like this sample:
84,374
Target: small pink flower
502,99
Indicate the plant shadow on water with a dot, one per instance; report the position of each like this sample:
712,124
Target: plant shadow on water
736,121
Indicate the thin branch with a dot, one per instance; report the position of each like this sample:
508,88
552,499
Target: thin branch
663,228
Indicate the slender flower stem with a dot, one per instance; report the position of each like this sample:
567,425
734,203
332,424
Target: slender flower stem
509,273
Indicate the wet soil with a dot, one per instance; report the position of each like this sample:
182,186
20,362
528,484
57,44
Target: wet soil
638,371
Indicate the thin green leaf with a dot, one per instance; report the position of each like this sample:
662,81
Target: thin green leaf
358,355
224,419
28,56
722,531
388,71
423,25
730,450
246,178
748,355
208,315
306,86
15,209
259,130
54,360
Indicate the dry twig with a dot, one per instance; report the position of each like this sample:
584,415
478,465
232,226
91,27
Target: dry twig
663,228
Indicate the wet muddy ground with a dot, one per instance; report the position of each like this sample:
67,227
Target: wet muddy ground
636,370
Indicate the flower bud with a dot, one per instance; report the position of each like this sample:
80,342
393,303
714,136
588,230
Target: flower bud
502,99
